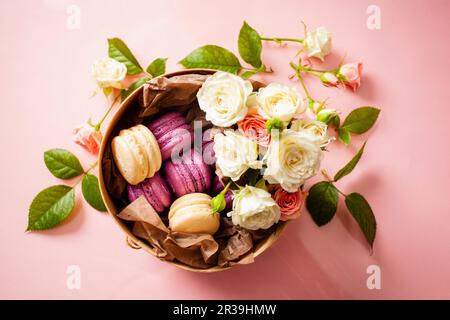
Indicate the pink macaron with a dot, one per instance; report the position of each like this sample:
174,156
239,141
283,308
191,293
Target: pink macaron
172,132
188,175
155,190
209,155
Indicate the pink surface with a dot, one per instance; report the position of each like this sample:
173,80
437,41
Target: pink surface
404,172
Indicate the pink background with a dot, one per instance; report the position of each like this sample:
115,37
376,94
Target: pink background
404,172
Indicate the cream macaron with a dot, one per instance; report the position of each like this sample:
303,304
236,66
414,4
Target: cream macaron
136,154
192,213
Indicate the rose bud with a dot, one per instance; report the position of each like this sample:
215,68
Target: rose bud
350,74
87,137
330,80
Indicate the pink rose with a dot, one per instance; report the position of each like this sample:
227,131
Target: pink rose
330,80
87,137
350,73
290,203
305,60
253,126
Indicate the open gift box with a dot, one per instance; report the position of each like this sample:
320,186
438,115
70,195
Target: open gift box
146,229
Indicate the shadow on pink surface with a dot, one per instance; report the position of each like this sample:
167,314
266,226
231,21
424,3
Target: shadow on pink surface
286,271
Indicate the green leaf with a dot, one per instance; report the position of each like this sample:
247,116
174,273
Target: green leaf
118,50
157,67
249,73
361,119
249,45
212,57
91,192
344,136
363,214
322,202
135,85
62,163
350,165
336,121
50,207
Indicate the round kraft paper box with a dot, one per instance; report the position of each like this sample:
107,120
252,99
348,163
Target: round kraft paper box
131,239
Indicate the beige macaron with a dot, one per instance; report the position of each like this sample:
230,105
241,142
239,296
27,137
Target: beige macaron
136,154
192,213
151,147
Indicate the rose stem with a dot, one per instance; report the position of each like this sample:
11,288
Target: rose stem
98,125
279,40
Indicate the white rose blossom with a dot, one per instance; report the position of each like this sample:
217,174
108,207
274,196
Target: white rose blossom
235,154
291,159
279,101
318,43
254,208
317,129
223,98
108,72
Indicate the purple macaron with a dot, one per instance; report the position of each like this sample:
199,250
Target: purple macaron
208,148
217,187
155,190
171,131
188,175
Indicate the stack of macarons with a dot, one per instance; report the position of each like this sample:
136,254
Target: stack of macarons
141,151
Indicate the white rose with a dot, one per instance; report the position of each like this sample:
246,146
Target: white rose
254,208
291,159
317,129
318,43
235,154
109,73
279,101
223,98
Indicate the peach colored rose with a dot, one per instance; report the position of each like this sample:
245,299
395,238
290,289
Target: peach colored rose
253,126
290,203
87,137
350,73
330,80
